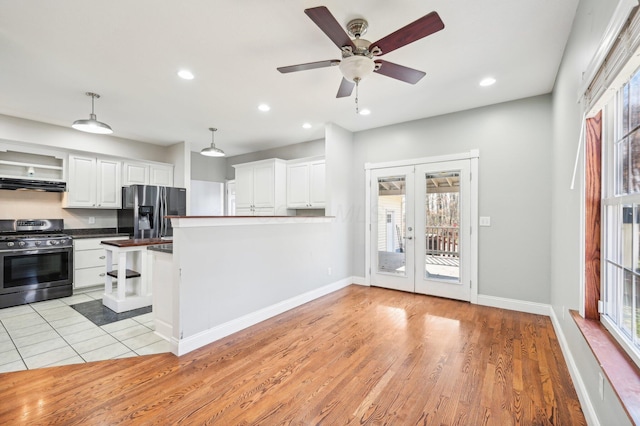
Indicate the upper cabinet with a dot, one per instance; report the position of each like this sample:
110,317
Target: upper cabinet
27,162
93,182
260,188
137,173
306,184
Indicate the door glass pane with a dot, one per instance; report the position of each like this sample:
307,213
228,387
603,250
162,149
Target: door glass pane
391,224
442,226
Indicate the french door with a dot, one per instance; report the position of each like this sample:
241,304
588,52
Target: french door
421,228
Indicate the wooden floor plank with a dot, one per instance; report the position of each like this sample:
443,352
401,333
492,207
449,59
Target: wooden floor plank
357,356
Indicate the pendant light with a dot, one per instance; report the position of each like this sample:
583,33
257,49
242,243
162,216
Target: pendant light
92,125
212,151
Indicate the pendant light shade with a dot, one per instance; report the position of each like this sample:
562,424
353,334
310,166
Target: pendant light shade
212,151
92,125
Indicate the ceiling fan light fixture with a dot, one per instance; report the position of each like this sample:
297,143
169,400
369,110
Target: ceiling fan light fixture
357,67
92,125
212,151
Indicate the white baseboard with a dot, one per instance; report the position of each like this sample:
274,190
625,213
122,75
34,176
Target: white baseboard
359,281
205,337
581,389
515,305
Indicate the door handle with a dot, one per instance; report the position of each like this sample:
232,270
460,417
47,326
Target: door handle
408,238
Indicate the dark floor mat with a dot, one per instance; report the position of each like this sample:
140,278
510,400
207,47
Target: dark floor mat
99,314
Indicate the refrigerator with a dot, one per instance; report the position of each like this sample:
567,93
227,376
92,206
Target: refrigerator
144,208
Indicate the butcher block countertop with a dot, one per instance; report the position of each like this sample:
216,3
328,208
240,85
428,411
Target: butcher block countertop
136,242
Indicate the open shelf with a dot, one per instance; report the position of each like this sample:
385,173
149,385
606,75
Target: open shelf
129,274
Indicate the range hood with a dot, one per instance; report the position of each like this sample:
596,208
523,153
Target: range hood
32,185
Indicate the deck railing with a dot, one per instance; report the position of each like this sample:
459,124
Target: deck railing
442,241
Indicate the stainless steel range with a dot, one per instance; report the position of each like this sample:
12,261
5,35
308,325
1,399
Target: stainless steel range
36,261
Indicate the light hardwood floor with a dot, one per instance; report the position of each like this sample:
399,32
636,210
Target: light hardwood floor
357,356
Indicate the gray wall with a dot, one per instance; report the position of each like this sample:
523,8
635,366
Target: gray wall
514,140
212,169
290,152
340,198
589,26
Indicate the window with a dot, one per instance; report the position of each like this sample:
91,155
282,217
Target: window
621,218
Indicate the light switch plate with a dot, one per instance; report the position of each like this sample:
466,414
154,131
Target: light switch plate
485,221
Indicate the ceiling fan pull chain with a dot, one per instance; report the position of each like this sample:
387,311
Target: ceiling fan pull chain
357,80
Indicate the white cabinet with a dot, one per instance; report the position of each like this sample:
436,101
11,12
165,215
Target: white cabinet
161,175
260,188
137,173
29,162
93,183
306,185
89,261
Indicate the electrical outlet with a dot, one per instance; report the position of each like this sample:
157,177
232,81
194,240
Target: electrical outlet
485,221
329,270
92,220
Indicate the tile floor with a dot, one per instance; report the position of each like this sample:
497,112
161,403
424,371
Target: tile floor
50,333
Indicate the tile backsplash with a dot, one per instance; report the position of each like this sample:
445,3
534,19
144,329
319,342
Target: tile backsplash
48,205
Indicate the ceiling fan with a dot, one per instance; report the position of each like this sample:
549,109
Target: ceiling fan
358,54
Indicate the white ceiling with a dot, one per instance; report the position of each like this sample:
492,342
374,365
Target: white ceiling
52,52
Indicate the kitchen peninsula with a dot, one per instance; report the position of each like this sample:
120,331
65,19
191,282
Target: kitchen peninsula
228,273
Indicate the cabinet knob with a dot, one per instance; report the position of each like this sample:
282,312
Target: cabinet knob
102,257
102,274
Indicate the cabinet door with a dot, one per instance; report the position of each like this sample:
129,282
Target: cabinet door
82,182
264,211
135,174
109,185
298,186
244,211
317,184
161,175
244,188
263,186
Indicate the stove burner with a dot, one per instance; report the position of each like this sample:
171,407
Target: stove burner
25,234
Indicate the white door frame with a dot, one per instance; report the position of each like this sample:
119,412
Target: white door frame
472,155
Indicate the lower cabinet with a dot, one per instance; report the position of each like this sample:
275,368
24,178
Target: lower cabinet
89,261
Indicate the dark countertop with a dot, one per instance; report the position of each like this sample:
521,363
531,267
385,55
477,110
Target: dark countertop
94,233
163,248
136,242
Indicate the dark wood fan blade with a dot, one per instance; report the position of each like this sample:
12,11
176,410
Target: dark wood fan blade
346,88
328,24
416,30
399,72
309,66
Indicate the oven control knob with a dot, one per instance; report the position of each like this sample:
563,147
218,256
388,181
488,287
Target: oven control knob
38,243
10,244
53,242
21,243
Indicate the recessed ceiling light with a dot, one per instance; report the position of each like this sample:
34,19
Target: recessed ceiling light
264,107
364,112
306,126
185,74
487,81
